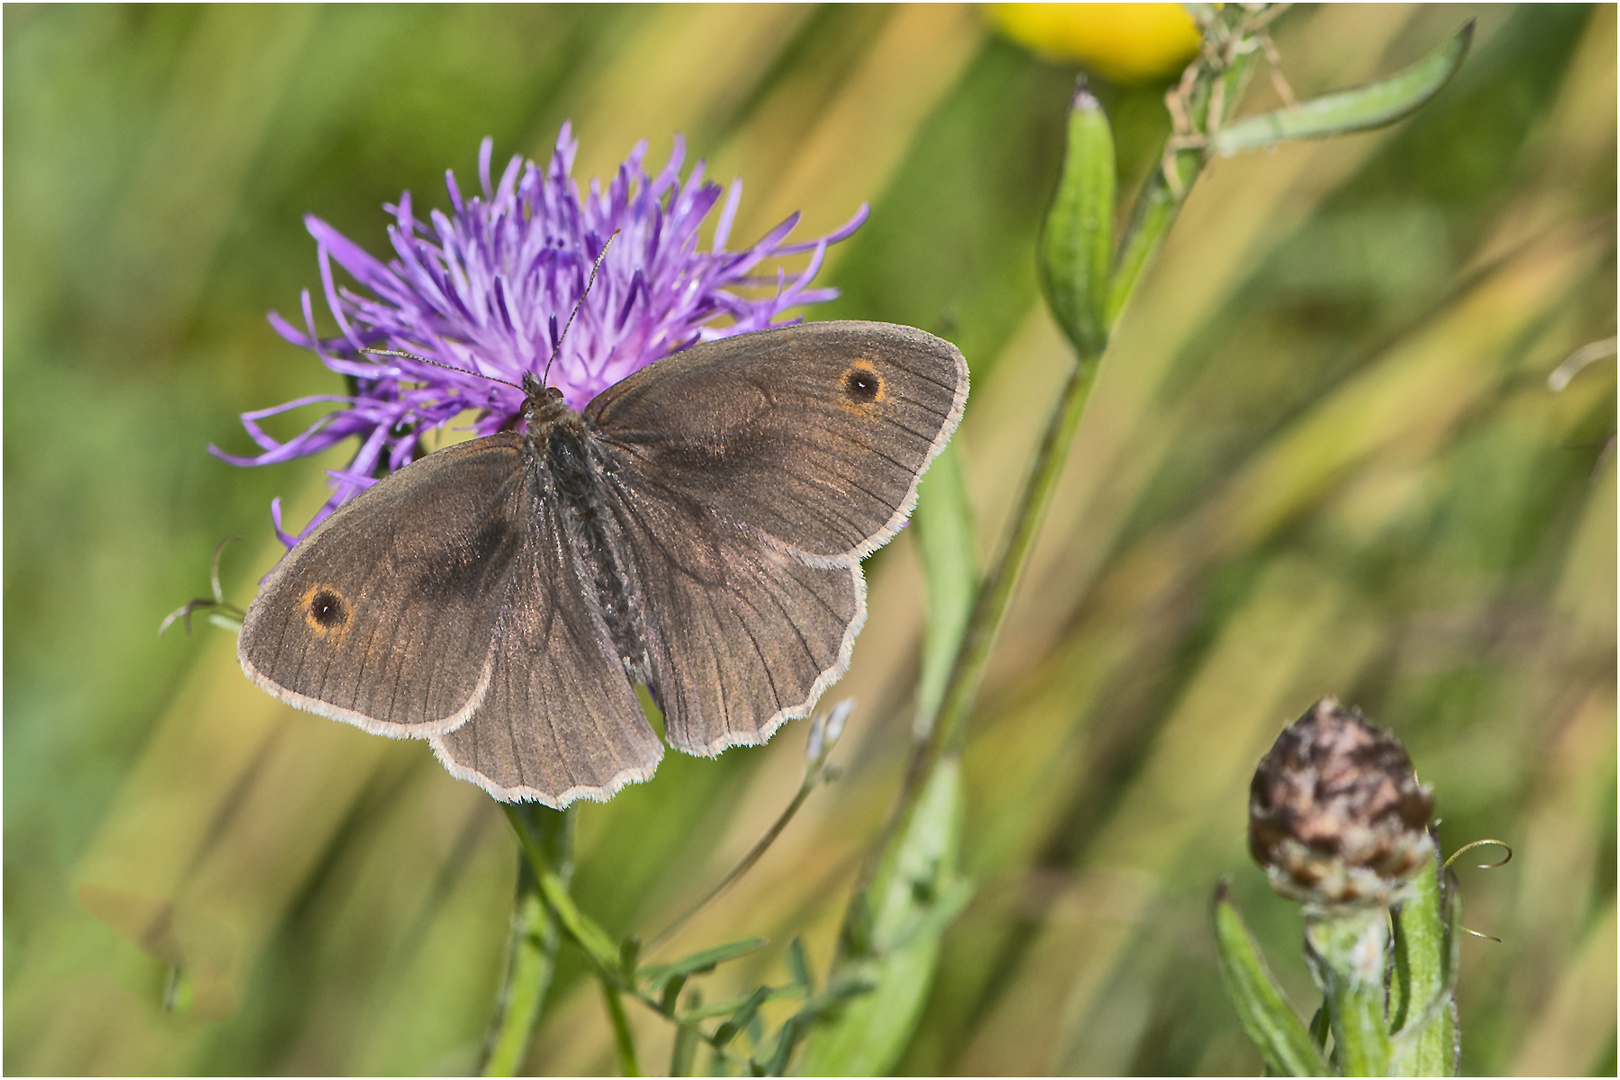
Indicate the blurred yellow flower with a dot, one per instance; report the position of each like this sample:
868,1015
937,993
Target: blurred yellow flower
1122,42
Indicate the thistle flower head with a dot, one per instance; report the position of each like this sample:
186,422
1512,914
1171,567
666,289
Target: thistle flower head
483,293
1336,814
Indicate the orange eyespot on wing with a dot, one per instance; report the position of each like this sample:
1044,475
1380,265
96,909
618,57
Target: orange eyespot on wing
863,386
326,612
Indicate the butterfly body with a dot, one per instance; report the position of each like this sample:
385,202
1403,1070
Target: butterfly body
698,530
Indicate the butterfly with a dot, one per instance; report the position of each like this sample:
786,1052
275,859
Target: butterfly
698,529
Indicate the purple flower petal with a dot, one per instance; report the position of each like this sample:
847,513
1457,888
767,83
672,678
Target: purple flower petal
486,288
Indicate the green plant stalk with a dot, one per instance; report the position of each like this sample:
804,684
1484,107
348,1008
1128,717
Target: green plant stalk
1154,212
624,1042
531,961
1165,190
1422,1009
532,949
995,594
1346,954
1152,217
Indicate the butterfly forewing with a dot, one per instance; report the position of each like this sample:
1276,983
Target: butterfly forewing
384,615
815,435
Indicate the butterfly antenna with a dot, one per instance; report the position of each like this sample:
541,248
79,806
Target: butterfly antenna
577,305
448,367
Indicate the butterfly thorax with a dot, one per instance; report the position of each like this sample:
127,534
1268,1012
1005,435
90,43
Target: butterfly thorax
543,405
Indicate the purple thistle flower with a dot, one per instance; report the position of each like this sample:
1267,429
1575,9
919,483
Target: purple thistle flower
487,289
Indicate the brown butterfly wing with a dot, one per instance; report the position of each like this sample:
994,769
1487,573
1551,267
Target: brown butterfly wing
742,634
815,435
750,476
384,615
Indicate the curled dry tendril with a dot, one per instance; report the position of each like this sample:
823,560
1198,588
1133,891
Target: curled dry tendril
1507,857
214,604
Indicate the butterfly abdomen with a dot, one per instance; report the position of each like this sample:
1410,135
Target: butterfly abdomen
576,476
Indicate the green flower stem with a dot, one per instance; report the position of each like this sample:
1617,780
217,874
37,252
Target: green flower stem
549,873
950,730
623,1041
532,950
531,961
1422,1009
1166,189
939,752
1154,212
1346,951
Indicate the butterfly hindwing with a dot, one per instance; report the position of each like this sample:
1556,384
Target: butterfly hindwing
742,634
559,720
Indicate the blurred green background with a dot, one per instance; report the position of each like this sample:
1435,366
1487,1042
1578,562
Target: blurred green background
1322,457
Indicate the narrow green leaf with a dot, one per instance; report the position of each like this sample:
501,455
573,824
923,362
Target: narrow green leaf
1359,109
741,1018
786,1040
911,897
629,952
1270,1024
670,994
1077,238
799,964
700,962
843,991
943,523
1321,1027
730,1005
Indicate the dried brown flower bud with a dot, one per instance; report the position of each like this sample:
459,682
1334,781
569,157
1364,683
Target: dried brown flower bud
1336,814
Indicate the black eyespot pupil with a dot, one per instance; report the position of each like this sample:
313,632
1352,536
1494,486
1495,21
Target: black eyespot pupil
862,385
327,608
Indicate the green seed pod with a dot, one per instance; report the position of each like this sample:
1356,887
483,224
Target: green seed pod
1077,239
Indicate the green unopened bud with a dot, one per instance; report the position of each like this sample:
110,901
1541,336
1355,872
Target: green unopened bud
1077,239
1336,814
